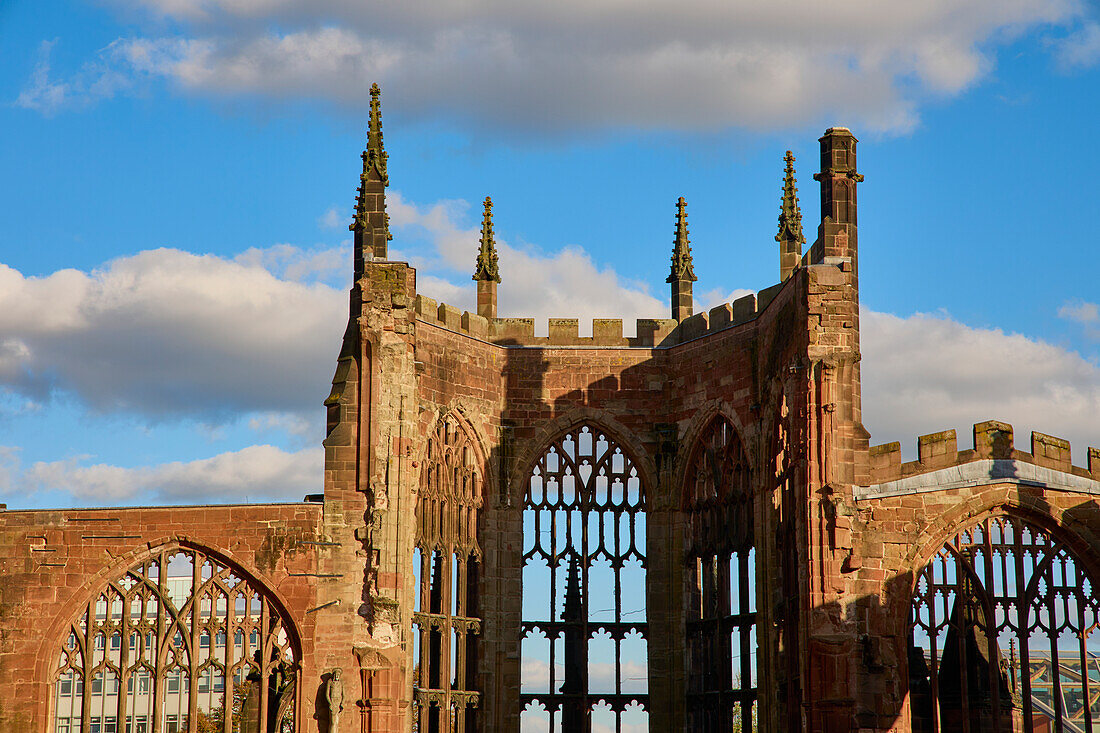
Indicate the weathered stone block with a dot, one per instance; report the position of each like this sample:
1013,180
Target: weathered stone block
1051,451
522,329
427,307
721,316
938,449
450,316
693,327
765,296
607,331
993,439
885,459
475,325
654,331
744,309
564,330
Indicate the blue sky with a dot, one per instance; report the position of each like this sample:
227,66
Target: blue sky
180,175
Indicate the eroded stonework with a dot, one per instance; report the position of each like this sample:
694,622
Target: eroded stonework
712,469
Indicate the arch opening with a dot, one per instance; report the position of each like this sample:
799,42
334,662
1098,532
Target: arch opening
180,641
584,653
721,583
446,568
1003,634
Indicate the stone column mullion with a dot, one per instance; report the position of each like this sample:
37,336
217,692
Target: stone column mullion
123,657
193,697
89,654
161,650
227,660
265,663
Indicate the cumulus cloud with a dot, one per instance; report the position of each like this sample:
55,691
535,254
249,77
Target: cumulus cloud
168,333
1081,48
332,219
255,473
593,64
299,265
118,68
717,296
564,283
1085,313
42,93
928,373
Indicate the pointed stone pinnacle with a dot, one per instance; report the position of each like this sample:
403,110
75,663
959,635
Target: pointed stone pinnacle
374,166
375,154
682,266
486,267
790,216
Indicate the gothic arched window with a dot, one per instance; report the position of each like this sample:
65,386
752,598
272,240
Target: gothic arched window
1003,635
446,567
182,641
584,649
721,622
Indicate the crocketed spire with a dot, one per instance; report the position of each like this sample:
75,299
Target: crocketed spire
486,267
682,267
371,223
790,216
375,154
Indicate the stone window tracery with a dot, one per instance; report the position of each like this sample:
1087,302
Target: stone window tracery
721,622
584,648
446,566
1004,635
149,654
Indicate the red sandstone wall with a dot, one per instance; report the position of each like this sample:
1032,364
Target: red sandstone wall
654,400
894,536
53,561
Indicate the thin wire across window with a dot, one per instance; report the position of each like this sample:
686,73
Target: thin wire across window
1004,635
180,642
446,565
584,650
721,623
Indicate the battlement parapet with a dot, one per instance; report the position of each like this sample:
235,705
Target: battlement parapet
993,440
606,332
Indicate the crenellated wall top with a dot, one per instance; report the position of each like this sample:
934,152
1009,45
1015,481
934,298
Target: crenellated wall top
606,332
940,461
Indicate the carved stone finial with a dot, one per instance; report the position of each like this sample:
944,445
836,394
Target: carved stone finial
375,154
682,267
790,216
790,236
371,223
486,267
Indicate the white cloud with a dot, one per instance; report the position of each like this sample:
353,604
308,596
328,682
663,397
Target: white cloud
717,296
928,373
288,423
166,333
9,468
293,263
332,219
119,67
534,284
1081,48
594,64
255,473
42,94
1085,313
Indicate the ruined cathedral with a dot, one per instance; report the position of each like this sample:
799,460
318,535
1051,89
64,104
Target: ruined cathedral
682,529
